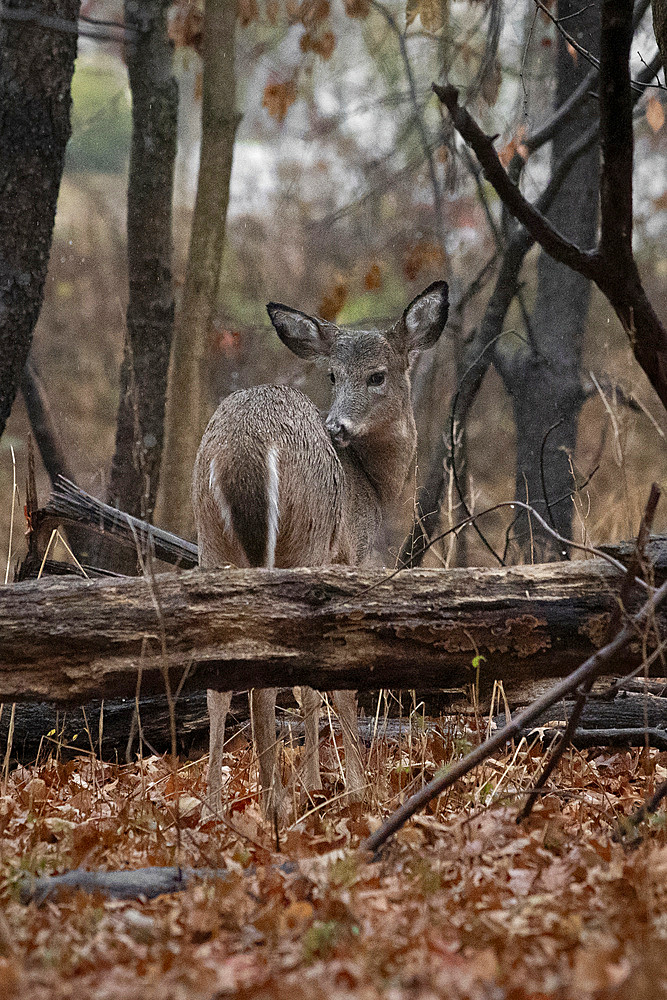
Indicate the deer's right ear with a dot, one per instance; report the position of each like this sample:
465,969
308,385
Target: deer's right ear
304,336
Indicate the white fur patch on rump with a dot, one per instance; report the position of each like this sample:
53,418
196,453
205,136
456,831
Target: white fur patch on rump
272,494
219,496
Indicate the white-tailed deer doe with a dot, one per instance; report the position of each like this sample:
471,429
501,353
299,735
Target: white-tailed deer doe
275,486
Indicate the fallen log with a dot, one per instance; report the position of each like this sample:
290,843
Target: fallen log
69,640
40,728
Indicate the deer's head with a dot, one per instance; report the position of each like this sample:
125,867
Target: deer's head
368,369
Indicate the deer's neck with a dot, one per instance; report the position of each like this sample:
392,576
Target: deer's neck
382,461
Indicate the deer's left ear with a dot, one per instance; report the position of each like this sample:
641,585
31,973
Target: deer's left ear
424,319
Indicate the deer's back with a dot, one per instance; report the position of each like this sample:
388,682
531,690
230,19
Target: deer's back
268,484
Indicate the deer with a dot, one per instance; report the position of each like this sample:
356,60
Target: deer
276,486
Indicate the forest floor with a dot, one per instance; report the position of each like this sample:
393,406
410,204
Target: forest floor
462,903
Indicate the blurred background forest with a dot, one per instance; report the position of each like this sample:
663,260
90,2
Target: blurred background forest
350,192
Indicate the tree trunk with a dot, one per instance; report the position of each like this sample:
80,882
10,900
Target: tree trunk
36,67
544,379
71,640
187,404
660,28
150,312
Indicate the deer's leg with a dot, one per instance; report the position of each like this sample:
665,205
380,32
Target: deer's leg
310,702
218,703
263,713
345,703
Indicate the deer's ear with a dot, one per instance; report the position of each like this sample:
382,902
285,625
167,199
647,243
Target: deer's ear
424,319
305,336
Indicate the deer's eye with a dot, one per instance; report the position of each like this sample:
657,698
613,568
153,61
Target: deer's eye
332,378
377,378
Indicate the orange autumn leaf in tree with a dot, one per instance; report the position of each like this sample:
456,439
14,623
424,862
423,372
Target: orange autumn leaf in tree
278,98
431,12
334,299
247,11
357,8
655,114
373,278
423,254
313,11
323,45
185,28
515,145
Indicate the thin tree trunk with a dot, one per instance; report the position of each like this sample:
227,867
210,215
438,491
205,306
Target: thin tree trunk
187,404
544,379
43,424
36,67
150,312
660,28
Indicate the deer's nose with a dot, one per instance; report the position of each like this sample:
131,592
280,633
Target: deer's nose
339,430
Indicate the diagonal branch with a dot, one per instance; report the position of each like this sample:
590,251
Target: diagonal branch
612,266
538,226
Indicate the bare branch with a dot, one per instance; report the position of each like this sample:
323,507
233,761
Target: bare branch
538,226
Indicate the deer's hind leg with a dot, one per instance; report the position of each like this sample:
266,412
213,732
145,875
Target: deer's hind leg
218,703
263,714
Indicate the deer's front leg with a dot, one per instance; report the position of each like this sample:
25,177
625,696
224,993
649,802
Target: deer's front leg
345,703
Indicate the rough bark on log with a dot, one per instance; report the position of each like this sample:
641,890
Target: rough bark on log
625,711
69,640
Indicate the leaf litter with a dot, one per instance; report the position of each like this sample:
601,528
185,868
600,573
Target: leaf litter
462,903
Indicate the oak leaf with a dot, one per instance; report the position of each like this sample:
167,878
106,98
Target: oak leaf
357,8
247,11
373,278
423,254
313,11
655,114
334,299
431,12
323,45
185,29
278,98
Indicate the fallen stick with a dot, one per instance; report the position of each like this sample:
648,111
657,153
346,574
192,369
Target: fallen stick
69,504
126,884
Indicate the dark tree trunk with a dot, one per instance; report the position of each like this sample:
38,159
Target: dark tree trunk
544,382
150,312
36,67
660,29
